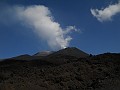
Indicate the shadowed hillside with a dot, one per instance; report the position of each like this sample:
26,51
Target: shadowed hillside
67,69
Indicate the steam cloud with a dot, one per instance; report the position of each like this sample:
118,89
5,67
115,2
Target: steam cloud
106,13
41,21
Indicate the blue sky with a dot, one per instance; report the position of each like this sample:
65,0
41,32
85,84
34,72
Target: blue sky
94,33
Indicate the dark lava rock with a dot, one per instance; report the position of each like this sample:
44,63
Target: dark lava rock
100,72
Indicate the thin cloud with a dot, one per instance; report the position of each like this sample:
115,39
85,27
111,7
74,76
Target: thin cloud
107,13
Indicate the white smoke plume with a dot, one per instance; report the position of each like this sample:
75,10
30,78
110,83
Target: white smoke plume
40,18
107,13
41,21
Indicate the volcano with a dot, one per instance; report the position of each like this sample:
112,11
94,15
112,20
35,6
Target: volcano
70,51
66,69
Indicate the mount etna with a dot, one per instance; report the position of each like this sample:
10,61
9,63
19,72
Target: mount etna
66,69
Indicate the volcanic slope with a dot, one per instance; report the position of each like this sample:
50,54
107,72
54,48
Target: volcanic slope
100,72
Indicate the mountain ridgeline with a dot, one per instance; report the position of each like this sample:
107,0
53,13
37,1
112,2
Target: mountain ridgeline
66,69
